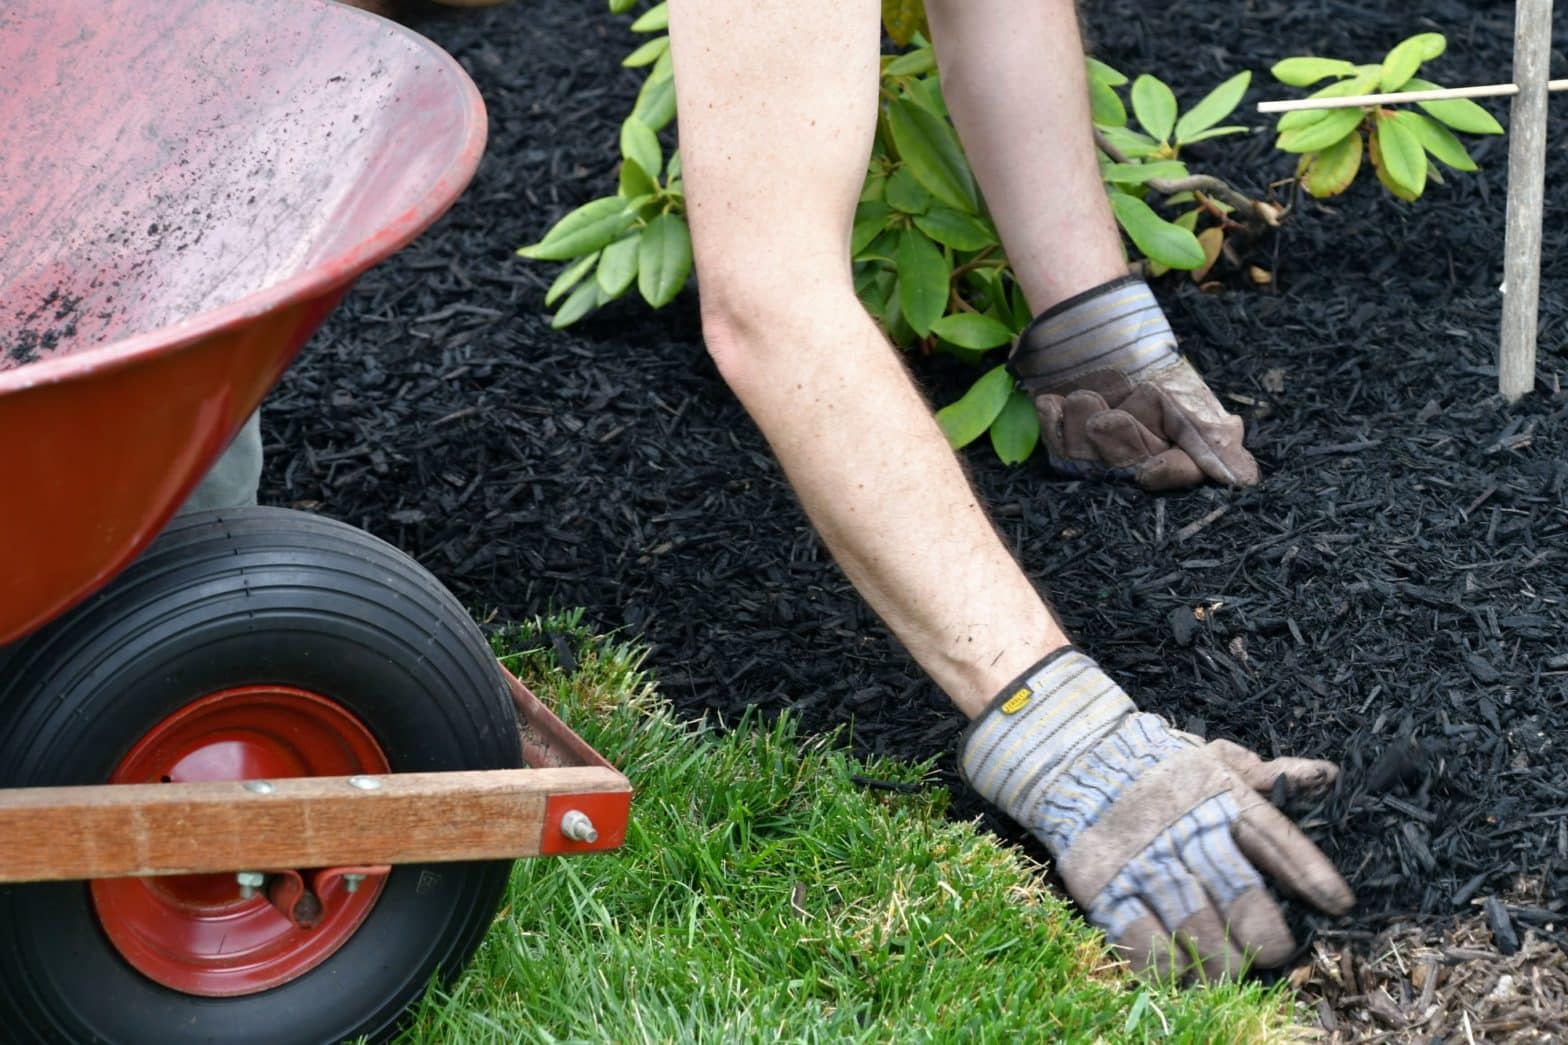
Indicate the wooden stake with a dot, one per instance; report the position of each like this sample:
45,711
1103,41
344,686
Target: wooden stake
1438,94
1526,189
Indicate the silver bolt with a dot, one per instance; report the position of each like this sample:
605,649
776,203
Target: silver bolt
576,826
351,882
364,783
260,787
250,881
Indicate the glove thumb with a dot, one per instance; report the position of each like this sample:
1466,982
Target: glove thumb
1303,776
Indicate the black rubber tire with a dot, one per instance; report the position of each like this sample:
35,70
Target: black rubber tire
231,598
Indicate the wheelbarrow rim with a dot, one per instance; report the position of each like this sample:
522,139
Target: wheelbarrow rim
334,273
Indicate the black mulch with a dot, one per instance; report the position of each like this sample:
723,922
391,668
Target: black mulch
1392,596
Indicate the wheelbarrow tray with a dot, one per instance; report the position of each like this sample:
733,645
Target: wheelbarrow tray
114,831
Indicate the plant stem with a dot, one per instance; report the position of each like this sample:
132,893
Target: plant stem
1256,212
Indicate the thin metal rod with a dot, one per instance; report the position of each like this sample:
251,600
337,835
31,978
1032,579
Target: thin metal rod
1526,190
1486,90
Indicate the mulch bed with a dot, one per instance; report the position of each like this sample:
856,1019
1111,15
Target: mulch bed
1394,595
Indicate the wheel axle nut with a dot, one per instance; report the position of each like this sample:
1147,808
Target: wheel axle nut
250,882
576,826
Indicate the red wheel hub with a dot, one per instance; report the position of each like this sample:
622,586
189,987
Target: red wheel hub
196,933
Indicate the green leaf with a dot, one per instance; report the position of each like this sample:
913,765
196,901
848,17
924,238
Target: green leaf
664,68
620,7
1440,142
1331,171
648,53
654,20
586,229
570,276
1406,57
1335,124
904,20
1016,431
1215,132
656,103
1105,105
929,147
1102,73
905,193
1305,71
967,419
1215,106
641,145
972,330
617,266
870,219
583,300
956,229
1154,105
663,259
918,62
1141,173
1363,82
636,183
1400,153
1157,238
923,281
1461,114
1130,143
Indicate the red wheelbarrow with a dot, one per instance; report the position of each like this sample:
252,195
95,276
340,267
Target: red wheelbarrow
261,778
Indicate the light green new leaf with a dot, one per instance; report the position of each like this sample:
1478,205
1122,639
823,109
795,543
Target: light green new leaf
1305,71
654,20
1440,142
1335,124
570,276
956,229
656,103
966,420
636,183
1155,106
663,259
972,330
1016,431
582,301
1105,106
1214,107
918,62
664,68
617,266
1400,153
1102,73
1331,171
930,149
870,219
1141,173
923,278
1461,114
1130,143
1158,239
620,7
1215,132
1401,63
641,145
1362,82
648,53
586,229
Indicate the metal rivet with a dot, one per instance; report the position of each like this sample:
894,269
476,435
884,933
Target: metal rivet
249,881
576,826
364,783
260,787
351,882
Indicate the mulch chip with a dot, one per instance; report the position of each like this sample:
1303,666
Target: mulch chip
1393,596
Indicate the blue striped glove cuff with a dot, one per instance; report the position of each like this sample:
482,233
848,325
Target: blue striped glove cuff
1118,326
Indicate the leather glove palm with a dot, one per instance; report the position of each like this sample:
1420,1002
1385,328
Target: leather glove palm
1158,836
1115,399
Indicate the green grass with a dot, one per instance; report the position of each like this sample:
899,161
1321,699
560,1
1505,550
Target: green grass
763,895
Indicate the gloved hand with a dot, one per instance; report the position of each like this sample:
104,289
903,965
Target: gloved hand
1158,836
1116,400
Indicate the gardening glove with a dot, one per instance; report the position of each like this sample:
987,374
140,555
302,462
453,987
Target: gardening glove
1116,400
1158,836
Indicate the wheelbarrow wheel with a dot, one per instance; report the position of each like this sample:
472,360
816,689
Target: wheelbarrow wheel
246,643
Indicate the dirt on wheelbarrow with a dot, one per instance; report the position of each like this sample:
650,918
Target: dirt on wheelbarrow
1394,595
